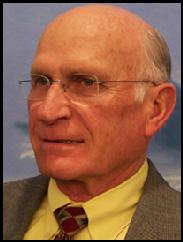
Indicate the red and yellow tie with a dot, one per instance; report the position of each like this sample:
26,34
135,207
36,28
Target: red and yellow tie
71,220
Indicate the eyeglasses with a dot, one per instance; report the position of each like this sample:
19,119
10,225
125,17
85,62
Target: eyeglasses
77,87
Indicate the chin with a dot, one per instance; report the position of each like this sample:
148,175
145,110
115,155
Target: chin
60,168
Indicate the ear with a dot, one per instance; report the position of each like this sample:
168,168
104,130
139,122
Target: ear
160,104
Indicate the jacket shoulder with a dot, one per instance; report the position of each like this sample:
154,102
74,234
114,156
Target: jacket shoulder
15,186
166,197
20,188
20,200
158,213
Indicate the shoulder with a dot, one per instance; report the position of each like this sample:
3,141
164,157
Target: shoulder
158,213
22,190
157,186
24,183
29,185
20,200
161,204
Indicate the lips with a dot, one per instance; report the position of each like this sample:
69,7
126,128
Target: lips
65,141
56,135
61,147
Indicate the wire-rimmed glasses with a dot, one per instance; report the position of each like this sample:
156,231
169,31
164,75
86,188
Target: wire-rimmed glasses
83,88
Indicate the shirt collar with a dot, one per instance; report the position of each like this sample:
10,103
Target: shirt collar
109,212
115,207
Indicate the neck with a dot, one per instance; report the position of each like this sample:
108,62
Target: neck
85,189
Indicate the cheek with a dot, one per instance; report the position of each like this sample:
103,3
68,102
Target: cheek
105,127
117,127
32,110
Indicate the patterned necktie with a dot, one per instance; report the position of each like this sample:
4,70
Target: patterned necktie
71,220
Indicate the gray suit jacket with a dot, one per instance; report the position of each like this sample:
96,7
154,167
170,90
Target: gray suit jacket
157,216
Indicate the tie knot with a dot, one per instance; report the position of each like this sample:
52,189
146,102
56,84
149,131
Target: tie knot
71,220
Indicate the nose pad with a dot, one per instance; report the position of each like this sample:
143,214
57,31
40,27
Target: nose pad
62,84
63,87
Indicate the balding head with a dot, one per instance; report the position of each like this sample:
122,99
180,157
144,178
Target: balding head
110,34
100,18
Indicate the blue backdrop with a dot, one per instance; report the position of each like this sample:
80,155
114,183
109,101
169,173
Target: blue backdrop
23,25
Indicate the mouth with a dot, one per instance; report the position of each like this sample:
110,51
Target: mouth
64,141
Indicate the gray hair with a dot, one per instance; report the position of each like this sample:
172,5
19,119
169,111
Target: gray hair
154,63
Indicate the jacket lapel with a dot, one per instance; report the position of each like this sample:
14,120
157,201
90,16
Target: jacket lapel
145,221
141,229
23,206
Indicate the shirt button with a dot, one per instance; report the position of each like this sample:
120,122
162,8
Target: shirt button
47,234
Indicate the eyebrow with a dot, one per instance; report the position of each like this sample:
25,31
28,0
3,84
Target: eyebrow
36,70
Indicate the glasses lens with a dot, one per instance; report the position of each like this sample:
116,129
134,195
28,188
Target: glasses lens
34,87
82,87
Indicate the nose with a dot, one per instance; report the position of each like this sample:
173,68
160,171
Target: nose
62,85
55,106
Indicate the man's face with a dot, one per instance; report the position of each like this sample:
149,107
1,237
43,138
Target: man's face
111,128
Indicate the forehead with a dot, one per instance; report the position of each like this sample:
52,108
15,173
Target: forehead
89,37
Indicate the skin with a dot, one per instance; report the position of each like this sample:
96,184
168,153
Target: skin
115,129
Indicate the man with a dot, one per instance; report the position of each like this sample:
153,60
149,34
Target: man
100,91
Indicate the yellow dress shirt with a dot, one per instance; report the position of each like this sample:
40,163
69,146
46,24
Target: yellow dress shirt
109,214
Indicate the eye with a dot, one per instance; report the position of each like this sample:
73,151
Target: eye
88,82
42,81
83,80
39,80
